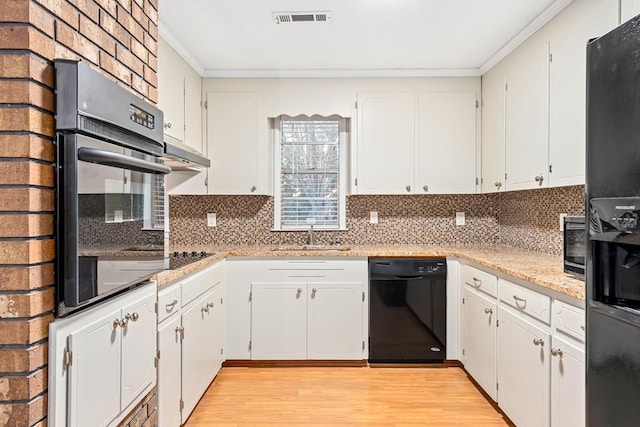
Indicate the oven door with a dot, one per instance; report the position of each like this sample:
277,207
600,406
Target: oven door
110,219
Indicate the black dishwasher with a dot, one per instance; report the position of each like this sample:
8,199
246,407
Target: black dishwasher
407,310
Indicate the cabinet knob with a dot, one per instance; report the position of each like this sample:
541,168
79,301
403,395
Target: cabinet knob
210,304
498,184
116,323
583,328
488,311
425,188
408,188
298,292
133,317
204,309
556,352
253,189
313,292
167,125
539,179
538,341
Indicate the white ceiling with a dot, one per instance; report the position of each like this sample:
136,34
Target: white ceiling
364,37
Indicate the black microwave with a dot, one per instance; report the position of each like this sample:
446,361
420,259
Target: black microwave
575,245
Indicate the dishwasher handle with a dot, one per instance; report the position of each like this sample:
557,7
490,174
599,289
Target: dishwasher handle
394,277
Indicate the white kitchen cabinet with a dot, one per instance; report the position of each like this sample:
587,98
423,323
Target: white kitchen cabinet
240,274
191,183
112,345
447,130
526,118
493,116
479,338
169,372
386,143
236,135
567,383
629,9
523,370
193,109
334,321
279,321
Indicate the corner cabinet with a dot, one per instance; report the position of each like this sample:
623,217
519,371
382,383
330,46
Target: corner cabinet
113,345
236,142
425,142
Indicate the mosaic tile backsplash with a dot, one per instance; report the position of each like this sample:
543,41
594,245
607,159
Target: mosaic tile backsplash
525,219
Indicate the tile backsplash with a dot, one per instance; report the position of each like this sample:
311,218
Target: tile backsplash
526,219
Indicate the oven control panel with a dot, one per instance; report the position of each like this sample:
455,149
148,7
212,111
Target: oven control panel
141,117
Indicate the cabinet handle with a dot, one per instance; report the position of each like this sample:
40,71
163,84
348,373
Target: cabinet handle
133,317
253,189
539,179
556,352
498,184
425,188
477,282
298,292
583,328
180,332
313,292
538,341
520,300
204,309
172,304
116,323
488,311
210,304
408,188
167,125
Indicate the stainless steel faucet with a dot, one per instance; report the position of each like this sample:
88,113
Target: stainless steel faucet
310,238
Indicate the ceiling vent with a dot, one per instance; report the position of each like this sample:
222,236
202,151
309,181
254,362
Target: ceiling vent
293,17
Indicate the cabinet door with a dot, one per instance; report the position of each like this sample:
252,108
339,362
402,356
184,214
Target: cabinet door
567,384
523,370
527,120
279,321
171,90
169,369
138,348
238,307
446,137
493,98
629,9
94,376
186,183
196,354
193,109
334,322
386,140
235,135
479,339
219,328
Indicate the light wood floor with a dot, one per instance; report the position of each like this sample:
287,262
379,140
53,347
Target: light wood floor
242,397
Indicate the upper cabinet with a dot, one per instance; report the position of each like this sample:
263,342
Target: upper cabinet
236,143
180,98
534,101
629,9
417,143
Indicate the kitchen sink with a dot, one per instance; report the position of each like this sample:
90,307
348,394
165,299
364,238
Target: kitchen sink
312,248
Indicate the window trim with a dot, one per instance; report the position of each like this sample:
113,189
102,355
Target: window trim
342,173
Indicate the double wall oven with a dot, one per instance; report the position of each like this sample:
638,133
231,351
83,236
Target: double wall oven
110,188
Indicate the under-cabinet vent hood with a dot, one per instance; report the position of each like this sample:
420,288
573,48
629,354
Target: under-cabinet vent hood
309,17
180,158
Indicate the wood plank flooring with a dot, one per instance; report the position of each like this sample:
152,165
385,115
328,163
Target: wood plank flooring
377,397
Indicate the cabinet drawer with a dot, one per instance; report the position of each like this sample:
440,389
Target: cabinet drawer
569,319
525,300
200,282
480,280
169,301
304,269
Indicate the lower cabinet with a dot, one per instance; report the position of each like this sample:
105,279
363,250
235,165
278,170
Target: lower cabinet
190,341
523,370
102,360
306,320
567,384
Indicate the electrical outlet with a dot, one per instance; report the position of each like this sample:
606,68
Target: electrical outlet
460,220
562,215
373,217
211,220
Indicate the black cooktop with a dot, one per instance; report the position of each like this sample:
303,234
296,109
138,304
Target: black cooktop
180,259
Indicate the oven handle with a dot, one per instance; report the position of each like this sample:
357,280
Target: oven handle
109,158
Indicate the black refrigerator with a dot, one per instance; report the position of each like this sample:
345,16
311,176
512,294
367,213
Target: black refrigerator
613,209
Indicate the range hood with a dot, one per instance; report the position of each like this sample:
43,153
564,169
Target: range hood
179,157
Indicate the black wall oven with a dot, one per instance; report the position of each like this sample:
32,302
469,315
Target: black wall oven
110,188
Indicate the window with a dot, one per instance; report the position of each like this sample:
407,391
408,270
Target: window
310,179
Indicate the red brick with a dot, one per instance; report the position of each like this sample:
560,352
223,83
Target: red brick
135,29
26,67
108,6
21,278
127,58
26,119
90,9
24,414
25,225
151,44
77,43
26,359
153,30
151,11
110,25
116,69
26,92
139,50
139,85
126,4
63,10
28,38
153,3
150,76
41,19
138,14
96,34
26,147
24,331
14,11
153,95
153,62
23,387
26,172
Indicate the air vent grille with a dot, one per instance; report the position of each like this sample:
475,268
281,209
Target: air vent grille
301,17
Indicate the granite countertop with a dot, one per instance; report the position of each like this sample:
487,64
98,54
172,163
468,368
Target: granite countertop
533,267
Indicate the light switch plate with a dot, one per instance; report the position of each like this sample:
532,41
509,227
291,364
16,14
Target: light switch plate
211,220
460,220
373,217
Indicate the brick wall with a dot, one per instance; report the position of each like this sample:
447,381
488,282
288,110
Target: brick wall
120,39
